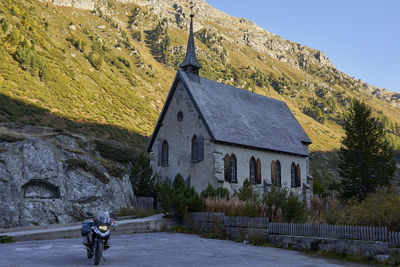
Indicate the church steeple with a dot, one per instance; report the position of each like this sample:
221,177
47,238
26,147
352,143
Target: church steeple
190,64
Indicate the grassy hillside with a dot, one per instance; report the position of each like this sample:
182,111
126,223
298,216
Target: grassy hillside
106,73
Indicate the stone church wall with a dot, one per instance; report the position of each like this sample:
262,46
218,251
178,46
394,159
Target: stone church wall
243,156
179,136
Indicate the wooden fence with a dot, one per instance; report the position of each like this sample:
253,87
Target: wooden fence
366,233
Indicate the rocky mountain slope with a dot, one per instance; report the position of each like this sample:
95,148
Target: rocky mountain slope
49,176
103,68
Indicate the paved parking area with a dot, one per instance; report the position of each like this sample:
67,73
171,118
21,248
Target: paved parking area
156,249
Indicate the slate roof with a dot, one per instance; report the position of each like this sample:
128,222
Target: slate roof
235,116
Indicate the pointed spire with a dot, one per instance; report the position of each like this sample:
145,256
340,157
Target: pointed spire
190,64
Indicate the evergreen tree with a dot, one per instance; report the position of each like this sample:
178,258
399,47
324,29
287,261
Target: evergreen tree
144,184
366,157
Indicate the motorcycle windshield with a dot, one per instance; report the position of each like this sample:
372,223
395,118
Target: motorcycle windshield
104,217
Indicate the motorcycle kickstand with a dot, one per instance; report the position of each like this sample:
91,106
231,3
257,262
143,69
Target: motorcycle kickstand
104,259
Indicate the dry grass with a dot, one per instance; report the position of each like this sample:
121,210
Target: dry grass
236,207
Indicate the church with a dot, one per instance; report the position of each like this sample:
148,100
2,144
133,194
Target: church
214,133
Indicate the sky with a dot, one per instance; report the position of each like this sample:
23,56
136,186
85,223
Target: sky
360,37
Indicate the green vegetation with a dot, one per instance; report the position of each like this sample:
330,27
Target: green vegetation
10,138
179,198
246,192
211,192
6,239
366,157
144,183
380,209
114,151
111,82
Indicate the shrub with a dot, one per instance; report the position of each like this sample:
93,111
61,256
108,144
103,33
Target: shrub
113,169
4,25
124,61
137,36
6,239
380,209
295,210
164,196
144,184
284,205
315,113
29,60
95,60
246,192
211,192
77,43
180,199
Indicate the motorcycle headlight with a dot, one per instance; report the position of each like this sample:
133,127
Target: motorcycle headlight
103,228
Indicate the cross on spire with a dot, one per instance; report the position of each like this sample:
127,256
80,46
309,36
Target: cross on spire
191,64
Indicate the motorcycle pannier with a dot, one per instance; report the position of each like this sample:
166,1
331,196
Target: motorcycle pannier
86,227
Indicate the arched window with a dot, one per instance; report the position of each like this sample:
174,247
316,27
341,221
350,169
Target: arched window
278,173
227,168
233,165
194,149
164,153
253,167
273,172
293,174
258,172
230,168
298,176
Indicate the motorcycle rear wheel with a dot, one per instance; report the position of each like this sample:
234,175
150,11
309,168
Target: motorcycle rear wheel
98,251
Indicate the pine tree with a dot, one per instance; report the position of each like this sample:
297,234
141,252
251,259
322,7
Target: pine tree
366,157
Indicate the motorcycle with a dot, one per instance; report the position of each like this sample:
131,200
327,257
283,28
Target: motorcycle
97,233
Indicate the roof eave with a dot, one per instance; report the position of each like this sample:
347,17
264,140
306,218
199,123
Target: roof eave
262,148
162,114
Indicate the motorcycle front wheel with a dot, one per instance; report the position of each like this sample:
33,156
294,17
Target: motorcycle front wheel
89,254
98,251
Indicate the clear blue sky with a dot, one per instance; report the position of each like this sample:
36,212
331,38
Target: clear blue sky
361,37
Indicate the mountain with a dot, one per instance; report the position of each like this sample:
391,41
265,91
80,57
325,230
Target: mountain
103,68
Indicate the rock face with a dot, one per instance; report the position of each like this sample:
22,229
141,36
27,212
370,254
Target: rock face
55,178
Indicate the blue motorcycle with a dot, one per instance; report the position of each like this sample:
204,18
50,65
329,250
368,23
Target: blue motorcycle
97,234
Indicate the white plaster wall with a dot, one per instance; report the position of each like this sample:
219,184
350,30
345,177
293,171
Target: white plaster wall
243,156
179,137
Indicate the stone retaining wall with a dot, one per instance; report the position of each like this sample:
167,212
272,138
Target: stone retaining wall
342,246
234,227
245,228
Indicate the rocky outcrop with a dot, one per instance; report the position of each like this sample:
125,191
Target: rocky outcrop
51,177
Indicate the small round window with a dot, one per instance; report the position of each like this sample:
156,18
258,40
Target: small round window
180,116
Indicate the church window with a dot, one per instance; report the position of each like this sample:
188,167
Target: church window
278,173
164,153
233,169
253,171
197,148
230,168
227,168
258,172
179,116
298,175
194,149
293,174
273,172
